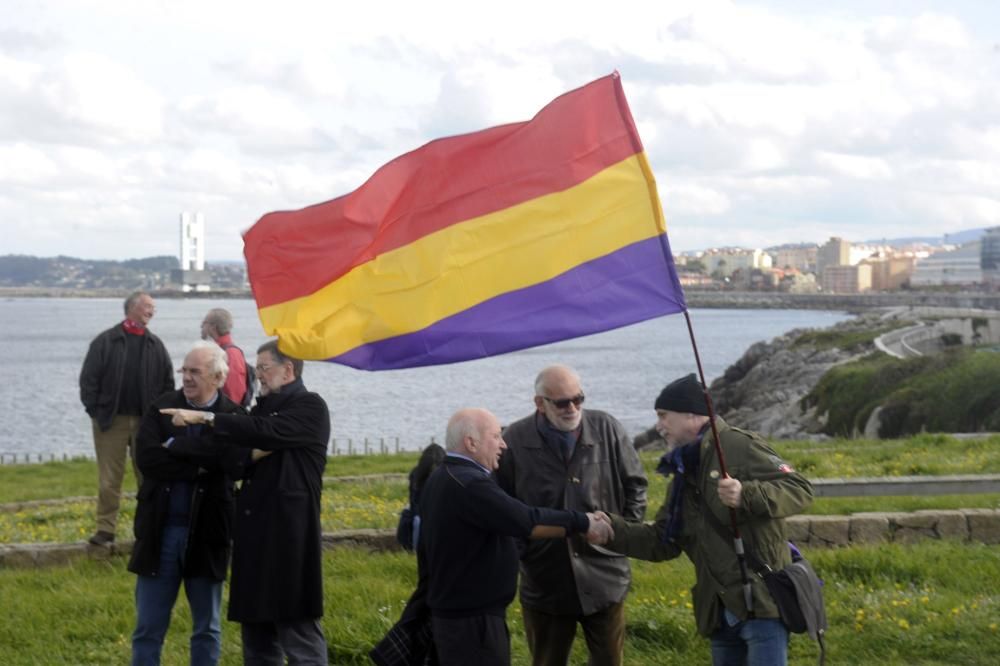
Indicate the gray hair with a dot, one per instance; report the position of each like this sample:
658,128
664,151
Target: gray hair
543,376
271,346
220,320
218,363
132,298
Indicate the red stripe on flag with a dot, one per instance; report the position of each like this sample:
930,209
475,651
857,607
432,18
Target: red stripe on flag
292,254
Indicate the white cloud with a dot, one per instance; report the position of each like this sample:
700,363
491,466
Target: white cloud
855,166
689,199
954,212
763,125
25,165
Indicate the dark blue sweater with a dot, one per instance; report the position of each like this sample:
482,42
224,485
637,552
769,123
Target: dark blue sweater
468,541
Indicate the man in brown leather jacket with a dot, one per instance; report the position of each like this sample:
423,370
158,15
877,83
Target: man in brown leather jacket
565,457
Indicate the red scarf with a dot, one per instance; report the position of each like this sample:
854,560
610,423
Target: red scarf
133,328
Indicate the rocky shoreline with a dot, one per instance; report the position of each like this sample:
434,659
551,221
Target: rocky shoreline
763,389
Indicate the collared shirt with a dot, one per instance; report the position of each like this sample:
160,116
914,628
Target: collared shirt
215,399
465,457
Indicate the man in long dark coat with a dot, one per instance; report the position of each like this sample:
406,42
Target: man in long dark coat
276,591
184,514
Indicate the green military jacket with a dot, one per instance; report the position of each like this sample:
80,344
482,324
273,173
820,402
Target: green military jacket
772,491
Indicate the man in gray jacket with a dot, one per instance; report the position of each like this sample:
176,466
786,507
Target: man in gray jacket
563,457
126,368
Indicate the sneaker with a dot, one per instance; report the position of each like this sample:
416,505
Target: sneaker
101,538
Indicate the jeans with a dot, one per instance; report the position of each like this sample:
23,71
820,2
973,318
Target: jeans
758,642
154,601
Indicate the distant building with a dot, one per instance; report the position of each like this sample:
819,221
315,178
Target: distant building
989,257
799,258
695,280
795,282
847,279
192,275
958,267
725,262
834,252
890,273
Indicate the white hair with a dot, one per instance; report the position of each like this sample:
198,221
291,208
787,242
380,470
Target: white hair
469,422
218,363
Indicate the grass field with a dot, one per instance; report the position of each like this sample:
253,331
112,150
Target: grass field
377,503
932,603
925,604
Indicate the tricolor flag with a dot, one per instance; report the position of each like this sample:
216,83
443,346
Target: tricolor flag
475,245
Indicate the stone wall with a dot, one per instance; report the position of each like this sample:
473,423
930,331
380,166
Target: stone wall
979,525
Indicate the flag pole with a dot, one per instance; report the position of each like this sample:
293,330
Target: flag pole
737,538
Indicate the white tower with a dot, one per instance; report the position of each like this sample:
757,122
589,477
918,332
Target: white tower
193,274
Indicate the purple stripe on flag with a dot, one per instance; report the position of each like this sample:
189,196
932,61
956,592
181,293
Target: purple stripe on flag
633,284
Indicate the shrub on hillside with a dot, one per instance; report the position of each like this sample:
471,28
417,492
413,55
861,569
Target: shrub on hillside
957,391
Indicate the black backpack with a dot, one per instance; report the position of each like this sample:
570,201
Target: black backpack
251,377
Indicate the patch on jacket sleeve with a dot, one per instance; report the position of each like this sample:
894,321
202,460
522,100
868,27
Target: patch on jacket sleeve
781,465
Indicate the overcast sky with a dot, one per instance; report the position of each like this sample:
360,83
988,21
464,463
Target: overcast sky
764,122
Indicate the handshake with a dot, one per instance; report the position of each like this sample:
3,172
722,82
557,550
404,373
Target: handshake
600,531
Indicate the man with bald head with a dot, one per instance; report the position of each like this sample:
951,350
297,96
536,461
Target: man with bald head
467,552
565,457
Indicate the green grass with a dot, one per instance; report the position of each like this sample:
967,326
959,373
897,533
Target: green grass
78,477
931,603
955,391
925,454
377,502
344,506
848,340
35,481
923,604
842,506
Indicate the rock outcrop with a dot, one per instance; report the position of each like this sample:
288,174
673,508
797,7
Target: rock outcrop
762,391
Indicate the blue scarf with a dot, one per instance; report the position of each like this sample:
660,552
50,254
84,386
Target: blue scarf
680,463
563,442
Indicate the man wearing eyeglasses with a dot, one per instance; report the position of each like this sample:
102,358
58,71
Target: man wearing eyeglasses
276,593
184,513
565,457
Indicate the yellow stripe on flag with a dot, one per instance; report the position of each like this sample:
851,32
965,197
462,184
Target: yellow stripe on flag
449,271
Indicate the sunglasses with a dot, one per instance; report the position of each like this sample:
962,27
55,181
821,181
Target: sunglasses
563,403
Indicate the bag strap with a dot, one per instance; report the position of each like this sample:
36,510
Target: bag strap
759,567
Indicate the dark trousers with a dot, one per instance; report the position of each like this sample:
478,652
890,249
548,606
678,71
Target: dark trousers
269,643
482,640
550,637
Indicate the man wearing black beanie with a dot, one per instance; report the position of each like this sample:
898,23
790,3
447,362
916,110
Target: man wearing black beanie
762,490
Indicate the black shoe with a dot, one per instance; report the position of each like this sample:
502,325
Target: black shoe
101,538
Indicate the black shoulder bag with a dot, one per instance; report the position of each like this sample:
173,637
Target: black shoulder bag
797,590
